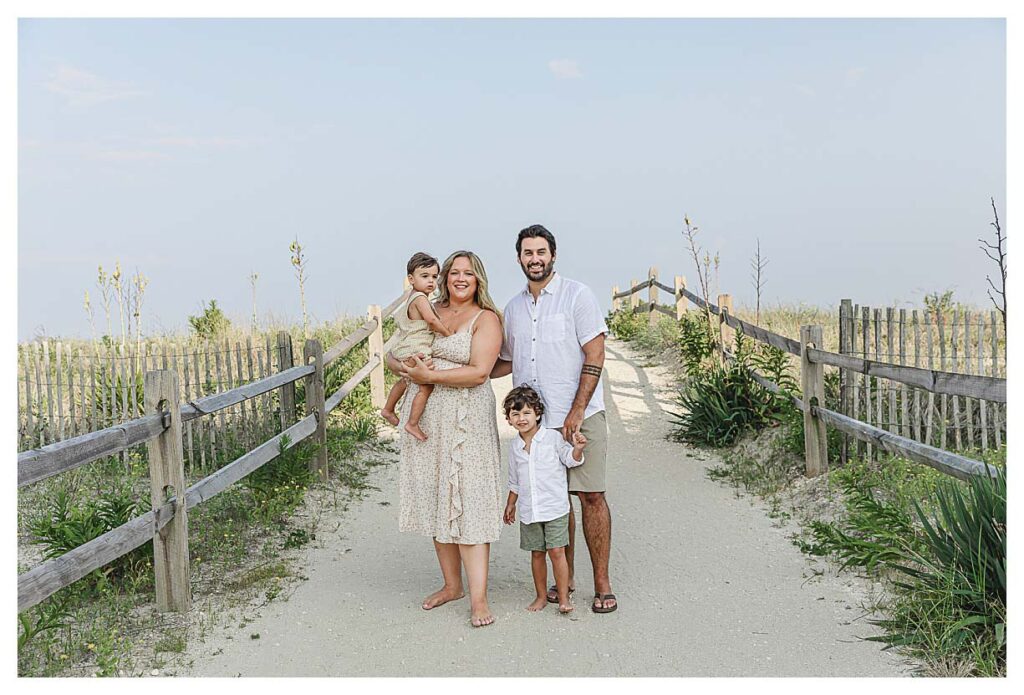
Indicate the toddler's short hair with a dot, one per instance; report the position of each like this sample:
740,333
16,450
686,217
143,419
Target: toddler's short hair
420,260
520,397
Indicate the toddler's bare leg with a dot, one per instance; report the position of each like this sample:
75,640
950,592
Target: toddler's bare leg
388,411
419,403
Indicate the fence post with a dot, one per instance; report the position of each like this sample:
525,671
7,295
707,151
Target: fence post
615,300
313,353
634,297
375,343
167,480
725,307
652,295
845,375
812,381
681,301
285,361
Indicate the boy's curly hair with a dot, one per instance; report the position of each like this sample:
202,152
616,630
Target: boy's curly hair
520,397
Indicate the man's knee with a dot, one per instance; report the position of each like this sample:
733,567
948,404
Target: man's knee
591,498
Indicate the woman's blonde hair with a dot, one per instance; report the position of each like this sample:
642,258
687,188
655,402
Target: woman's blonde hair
482,296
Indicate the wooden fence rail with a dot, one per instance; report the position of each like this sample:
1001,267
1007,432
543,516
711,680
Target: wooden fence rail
901,437
166,523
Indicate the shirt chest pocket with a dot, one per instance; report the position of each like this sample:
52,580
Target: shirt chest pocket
552,328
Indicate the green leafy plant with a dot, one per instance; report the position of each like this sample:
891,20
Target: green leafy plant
64,525
211,323
954,597
626,325
721,403
279,486
696,342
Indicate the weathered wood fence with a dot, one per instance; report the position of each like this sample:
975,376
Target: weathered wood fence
160,427
890,395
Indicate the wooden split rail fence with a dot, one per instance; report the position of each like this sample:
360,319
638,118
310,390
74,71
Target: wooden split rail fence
160,428
812,359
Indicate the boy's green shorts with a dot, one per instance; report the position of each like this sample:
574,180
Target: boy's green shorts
544,535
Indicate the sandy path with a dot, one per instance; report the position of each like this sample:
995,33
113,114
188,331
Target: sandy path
708,585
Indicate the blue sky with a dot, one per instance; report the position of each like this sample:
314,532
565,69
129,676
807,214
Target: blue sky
862,153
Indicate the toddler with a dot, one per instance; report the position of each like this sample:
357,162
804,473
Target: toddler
538,485
417,323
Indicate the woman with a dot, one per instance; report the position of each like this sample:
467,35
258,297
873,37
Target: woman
449,485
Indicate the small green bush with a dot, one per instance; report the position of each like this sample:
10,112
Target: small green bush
626,325
212,322
696,341
721,403
953,601
64,525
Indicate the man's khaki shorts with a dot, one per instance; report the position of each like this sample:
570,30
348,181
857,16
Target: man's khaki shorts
590,476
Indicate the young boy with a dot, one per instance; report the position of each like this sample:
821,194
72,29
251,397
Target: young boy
539,486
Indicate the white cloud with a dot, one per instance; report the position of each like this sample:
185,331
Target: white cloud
192,141
804,89
126,155
565,69
853,75
83,88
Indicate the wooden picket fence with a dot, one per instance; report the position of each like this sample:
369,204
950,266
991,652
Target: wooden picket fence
910,402
160,424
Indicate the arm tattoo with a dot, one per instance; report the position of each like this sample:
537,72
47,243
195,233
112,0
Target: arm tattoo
592,370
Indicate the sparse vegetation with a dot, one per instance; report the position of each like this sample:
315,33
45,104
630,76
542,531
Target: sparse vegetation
935,544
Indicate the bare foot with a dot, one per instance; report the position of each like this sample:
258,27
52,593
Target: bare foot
553,591
441,597
564,608
389,415
481,618
539,604
415,431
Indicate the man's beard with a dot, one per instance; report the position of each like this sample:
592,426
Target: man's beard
545,274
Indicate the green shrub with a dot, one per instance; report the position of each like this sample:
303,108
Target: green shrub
64,525
696,341
953,601
279,486
211,323
720,403
626,325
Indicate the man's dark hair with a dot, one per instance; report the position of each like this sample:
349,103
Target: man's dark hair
532,232
520,397
420,260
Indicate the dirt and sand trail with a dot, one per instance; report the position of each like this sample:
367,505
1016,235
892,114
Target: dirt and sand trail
708,584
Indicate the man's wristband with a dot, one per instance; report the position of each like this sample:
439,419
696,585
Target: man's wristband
592,370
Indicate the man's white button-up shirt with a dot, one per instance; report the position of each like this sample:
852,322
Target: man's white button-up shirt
540,477
544,340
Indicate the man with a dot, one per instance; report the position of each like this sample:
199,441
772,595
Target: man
554,342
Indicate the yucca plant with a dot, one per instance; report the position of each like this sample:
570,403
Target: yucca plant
696,342
721,403
954,598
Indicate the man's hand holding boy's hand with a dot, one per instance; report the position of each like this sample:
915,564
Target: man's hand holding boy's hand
578,442
510,513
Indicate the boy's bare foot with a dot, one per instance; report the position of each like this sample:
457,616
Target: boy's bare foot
441,597
564,608
538,604
389,415
416,432
553,591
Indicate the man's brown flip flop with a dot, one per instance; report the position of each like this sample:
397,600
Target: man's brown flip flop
602,598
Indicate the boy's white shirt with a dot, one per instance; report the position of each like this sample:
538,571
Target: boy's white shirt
540,476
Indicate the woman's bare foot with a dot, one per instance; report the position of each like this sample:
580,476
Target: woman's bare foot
415,431
389,415
481,617
539,604
444,595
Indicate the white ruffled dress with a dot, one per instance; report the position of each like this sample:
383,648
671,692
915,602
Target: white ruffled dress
450,486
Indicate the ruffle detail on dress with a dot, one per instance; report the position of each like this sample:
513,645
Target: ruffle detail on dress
461,435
